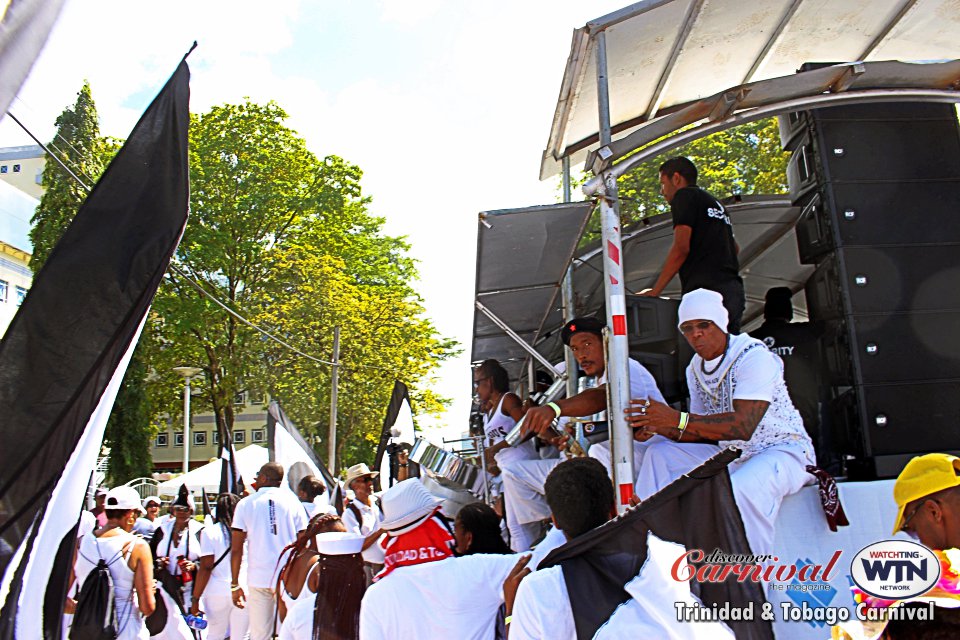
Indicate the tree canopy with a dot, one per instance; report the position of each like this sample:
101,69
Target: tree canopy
286,240
743,160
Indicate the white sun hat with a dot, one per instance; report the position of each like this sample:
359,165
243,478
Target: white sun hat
405,505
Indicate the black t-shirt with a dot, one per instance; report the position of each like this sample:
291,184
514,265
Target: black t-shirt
798,344
712,260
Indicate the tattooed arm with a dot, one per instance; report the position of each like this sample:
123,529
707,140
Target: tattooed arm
662,419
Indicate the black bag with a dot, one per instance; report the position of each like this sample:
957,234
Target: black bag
96,615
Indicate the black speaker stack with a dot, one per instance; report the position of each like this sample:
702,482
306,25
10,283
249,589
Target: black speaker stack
879,189
654,341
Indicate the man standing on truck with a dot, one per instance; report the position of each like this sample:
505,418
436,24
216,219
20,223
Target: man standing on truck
704,251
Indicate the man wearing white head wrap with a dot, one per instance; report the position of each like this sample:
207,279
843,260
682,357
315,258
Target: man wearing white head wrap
737,398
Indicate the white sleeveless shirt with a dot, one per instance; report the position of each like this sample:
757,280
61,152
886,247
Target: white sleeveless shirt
496,426
130,623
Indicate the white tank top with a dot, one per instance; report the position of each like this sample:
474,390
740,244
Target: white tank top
92,549
496,426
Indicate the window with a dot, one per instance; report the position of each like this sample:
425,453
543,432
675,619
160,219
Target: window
163,439
3,169
256,397
240,398
258,435
16,168
21,294
239,436
200,438
215,437
3,291
178,439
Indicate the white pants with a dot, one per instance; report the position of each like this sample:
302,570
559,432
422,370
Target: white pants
526,504
223,619
759,483
263,607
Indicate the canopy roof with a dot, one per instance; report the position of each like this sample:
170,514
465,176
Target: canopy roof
522,256
764,228
665,54
207,478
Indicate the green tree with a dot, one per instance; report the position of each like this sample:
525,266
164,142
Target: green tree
285,239
743,160
79,145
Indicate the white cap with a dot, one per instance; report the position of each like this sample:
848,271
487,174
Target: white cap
153,499
703,304
101,491
339,543
122,498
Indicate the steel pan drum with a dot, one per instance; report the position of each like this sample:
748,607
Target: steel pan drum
447,465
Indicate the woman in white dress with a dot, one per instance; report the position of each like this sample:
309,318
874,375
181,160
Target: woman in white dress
298,578
128,559
176,546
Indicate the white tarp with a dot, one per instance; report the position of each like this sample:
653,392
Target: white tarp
207,477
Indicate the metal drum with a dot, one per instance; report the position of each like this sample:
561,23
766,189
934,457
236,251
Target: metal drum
453,496
447,465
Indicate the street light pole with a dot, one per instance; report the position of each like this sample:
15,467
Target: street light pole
188,373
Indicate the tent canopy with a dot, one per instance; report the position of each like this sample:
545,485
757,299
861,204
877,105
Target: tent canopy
663,55
764,227
522,256
207,478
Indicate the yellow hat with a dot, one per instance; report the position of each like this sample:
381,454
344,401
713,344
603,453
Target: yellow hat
923,476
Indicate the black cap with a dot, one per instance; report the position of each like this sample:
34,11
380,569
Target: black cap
588,323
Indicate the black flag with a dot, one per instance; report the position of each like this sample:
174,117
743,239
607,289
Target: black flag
230,480
697,511
64,355
399,396
287,447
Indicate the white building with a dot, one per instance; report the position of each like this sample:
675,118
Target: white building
16,209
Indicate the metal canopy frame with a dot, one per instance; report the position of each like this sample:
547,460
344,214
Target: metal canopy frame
668,54
544,239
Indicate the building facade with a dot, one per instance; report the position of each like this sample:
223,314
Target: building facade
22,167
16,210
249,427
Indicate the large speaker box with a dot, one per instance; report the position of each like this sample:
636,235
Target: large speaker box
879,188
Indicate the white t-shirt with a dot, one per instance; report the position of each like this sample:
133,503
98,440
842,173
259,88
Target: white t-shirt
542,608
449,598
298,625
271,518
214,541
751,373
642,384
370,519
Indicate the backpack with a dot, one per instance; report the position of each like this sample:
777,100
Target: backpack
96,615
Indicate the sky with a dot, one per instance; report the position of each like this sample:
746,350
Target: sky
445,106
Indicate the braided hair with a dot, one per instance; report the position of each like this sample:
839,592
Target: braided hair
226,505
320,523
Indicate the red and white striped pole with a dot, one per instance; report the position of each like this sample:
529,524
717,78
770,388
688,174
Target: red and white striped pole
617,369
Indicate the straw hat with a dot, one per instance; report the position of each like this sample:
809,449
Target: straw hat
358,471
405,505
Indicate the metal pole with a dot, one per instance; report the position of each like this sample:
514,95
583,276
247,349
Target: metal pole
186,426
334,379
531,378
618,373
513,336
566,291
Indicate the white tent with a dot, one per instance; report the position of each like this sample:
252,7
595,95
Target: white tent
207,477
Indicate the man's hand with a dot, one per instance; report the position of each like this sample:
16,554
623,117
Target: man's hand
652,417
195,607
538,420
512,583
648,293
239,599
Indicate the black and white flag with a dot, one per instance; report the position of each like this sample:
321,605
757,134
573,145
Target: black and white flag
398,430
65,353
618,575
287,447
230,479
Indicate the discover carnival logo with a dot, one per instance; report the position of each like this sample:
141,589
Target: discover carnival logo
895,569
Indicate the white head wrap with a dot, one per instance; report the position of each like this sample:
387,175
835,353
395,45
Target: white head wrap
703,304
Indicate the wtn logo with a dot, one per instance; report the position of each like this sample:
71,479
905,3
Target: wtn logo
895,569
902,570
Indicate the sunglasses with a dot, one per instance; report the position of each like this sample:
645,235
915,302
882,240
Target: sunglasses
476,383
916,510
689,327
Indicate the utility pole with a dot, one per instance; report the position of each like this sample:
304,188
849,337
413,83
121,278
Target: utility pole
334,378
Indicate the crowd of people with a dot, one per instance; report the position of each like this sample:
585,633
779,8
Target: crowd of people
290,564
